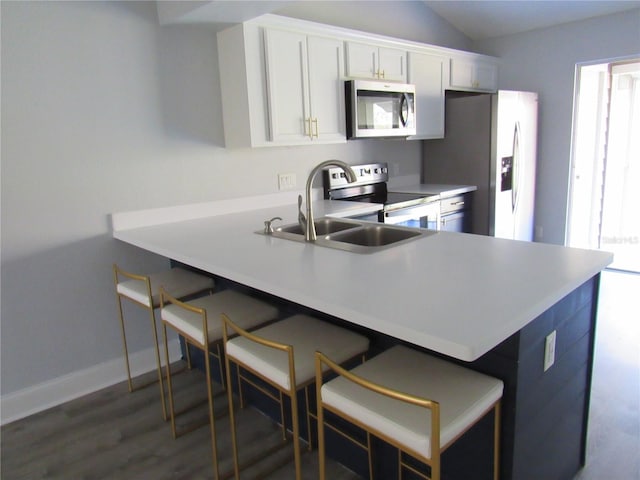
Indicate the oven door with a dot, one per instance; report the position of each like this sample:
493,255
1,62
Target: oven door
422,216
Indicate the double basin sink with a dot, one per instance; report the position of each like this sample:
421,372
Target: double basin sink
352,235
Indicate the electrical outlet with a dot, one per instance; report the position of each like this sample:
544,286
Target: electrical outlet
286,181
549,350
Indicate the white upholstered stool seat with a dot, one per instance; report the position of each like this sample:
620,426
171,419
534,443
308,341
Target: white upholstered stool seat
199,321
249,312
463,397
306,335
144,290
180,282
282,354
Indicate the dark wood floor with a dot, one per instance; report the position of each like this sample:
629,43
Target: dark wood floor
112,434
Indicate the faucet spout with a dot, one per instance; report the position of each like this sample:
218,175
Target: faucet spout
310,231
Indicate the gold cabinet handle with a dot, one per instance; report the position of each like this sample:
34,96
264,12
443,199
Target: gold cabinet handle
309,131
315,133
382,75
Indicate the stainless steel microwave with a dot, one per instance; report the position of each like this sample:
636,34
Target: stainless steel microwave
380,109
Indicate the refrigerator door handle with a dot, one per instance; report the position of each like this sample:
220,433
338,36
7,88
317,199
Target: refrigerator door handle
517,158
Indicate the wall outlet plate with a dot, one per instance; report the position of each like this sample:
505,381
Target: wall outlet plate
549,350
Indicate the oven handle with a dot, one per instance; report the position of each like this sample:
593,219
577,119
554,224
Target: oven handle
403,214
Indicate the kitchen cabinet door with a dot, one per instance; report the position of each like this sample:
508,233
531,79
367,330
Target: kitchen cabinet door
473,75
373,62
455,213
362,60
303,87
326,89
392,64
241,58
287,86
429,73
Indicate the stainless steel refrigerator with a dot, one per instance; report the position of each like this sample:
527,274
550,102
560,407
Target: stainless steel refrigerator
490,142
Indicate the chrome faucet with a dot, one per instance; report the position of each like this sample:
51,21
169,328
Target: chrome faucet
310,230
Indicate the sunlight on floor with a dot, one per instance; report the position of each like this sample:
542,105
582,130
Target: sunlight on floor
614,421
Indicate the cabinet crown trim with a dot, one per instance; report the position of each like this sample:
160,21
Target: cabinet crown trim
346,34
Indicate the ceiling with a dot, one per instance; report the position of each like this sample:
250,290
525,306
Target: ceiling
480,19
477,19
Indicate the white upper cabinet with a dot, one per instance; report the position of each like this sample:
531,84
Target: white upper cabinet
473,74
371,61
243,86
430,74
282,79
304,88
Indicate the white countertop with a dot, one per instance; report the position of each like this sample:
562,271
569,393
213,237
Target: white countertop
435,189
457,294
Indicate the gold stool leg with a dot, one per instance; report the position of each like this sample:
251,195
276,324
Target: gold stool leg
296,434
124,343
158,363
240,394
212,427
172,414
188,350
369,458
232,418
224,384
306,399
320,416
284,428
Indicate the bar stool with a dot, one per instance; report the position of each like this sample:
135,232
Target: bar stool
143,290
199,322
416,402
281,354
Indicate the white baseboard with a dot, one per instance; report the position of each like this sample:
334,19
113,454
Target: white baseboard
37,398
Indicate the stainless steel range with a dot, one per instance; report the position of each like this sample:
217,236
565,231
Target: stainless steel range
407,209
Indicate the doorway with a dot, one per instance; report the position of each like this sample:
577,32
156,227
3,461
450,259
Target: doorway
604,209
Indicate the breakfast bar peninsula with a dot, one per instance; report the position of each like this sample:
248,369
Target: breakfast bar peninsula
488,303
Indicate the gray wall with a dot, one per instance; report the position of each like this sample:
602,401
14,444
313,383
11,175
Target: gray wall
411,20
103,111
544,61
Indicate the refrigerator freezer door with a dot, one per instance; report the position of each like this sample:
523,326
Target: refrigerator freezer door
526,166
516,145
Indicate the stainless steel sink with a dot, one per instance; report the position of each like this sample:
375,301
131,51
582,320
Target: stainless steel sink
324,226
352,235
375,235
